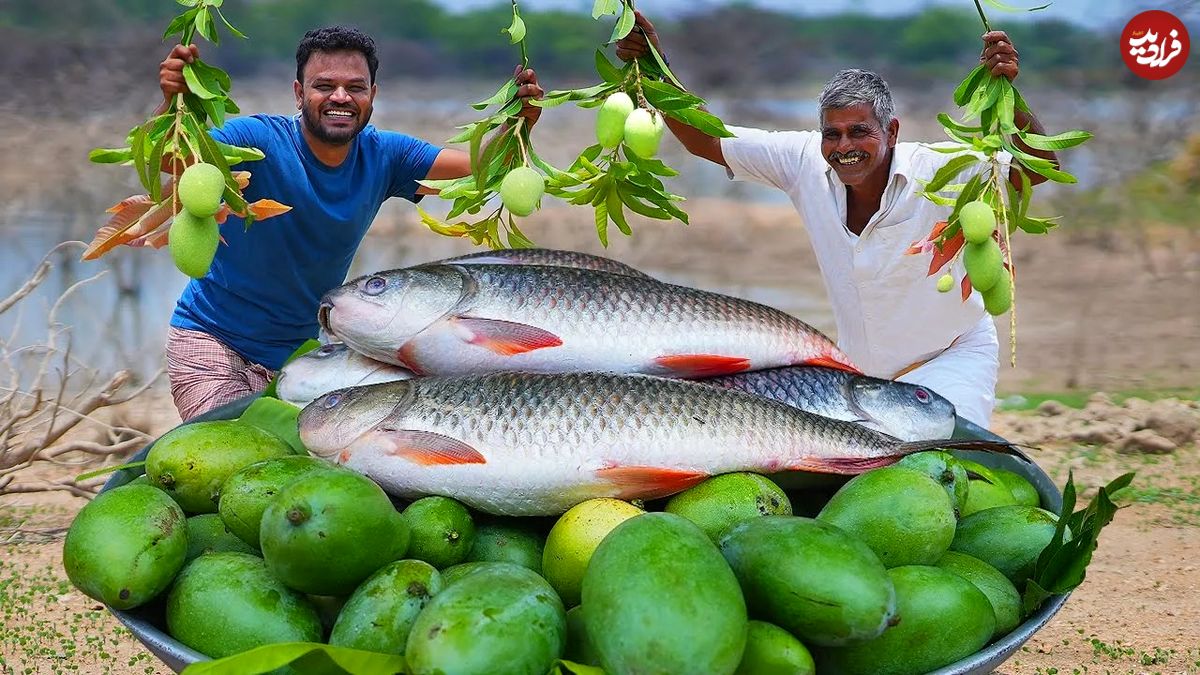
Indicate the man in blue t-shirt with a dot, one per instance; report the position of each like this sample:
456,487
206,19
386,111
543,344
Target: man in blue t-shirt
235,326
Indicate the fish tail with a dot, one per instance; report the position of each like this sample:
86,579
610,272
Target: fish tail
1002,447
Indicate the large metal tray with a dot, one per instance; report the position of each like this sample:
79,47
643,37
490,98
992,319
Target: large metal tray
147,627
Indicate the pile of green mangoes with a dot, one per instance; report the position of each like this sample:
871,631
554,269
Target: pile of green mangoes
233,540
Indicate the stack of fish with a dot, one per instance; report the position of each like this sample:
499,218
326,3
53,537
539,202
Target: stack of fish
524,382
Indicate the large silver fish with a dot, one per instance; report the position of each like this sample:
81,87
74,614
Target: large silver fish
462,319
546,256
537,444
907,411
329,367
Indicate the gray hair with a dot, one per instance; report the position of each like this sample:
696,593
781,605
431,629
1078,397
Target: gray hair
854,87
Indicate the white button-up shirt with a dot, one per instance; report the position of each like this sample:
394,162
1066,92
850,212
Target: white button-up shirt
888,312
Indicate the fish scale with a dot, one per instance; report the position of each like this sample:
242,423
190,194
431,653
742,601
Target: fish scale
537,444
546,256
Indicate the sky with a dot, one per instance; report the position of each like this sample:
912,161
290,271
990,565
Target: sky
1092,13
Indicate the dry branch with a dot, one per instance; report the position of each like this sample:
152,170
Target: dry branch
48,427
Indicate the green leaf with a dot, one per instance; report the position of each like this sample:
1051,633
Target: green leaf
602,7
949,170
155,164
662,64
229,26
205,25
966,89
215,112
194,84
1009,8
1062,565
110,155
179,23
624,24
1005,109
700,120
607,70
1067,139
601,216
506,92
239,154
616,212
1036,225
1020,102
652,166
949,123
666,96
214,79
984,97
639,207
516,31
277,418
144,173
109,469
305,656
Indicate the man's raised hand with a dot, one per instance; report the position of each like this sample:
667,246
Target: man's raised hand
170,71
633,46
999,55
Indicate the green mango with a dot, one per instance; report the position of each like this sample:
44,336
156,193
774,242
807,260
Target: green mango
125,546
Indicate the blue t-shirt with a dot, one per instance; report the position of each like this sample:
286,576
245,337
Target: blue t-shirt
261,295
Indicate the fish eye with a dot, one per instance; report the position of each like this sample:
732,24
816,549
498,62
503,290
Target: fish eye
923,395
332,400
327,350
375,285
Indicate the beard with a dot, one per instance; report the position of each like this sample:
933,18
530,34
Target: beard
312,121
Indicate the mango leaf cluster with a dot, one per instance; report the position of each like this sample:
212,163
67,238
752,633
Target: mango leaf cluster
986,127
613,180
1062,564
490,163
180,136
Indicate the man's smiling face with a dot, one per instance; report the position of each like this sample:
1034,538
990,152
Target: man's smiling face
855,144
336,96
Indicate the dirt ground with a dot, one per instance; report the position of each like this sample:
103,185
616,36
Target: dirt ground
1096,315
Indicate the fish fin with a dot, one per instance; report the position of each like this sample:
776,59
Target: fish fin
831,362
649,482
506,338
843,465
407,356
967,444
429,449
702,365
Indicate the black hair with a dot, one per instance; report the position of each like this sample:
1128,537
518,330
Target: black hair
333,39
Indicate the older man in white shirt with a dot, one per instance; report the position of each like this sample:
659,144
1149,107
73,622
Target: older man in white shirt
857,189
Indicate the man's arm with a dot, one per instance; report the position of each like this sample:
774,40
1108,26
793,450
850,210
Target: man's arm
453,163
171,82
697,142
1001,58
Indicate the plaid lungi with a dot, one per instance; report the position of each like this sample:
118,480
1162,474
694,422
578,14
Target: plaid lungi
205,374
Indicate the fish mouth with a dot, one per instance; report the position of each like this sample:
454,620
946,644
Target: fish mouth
323,318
